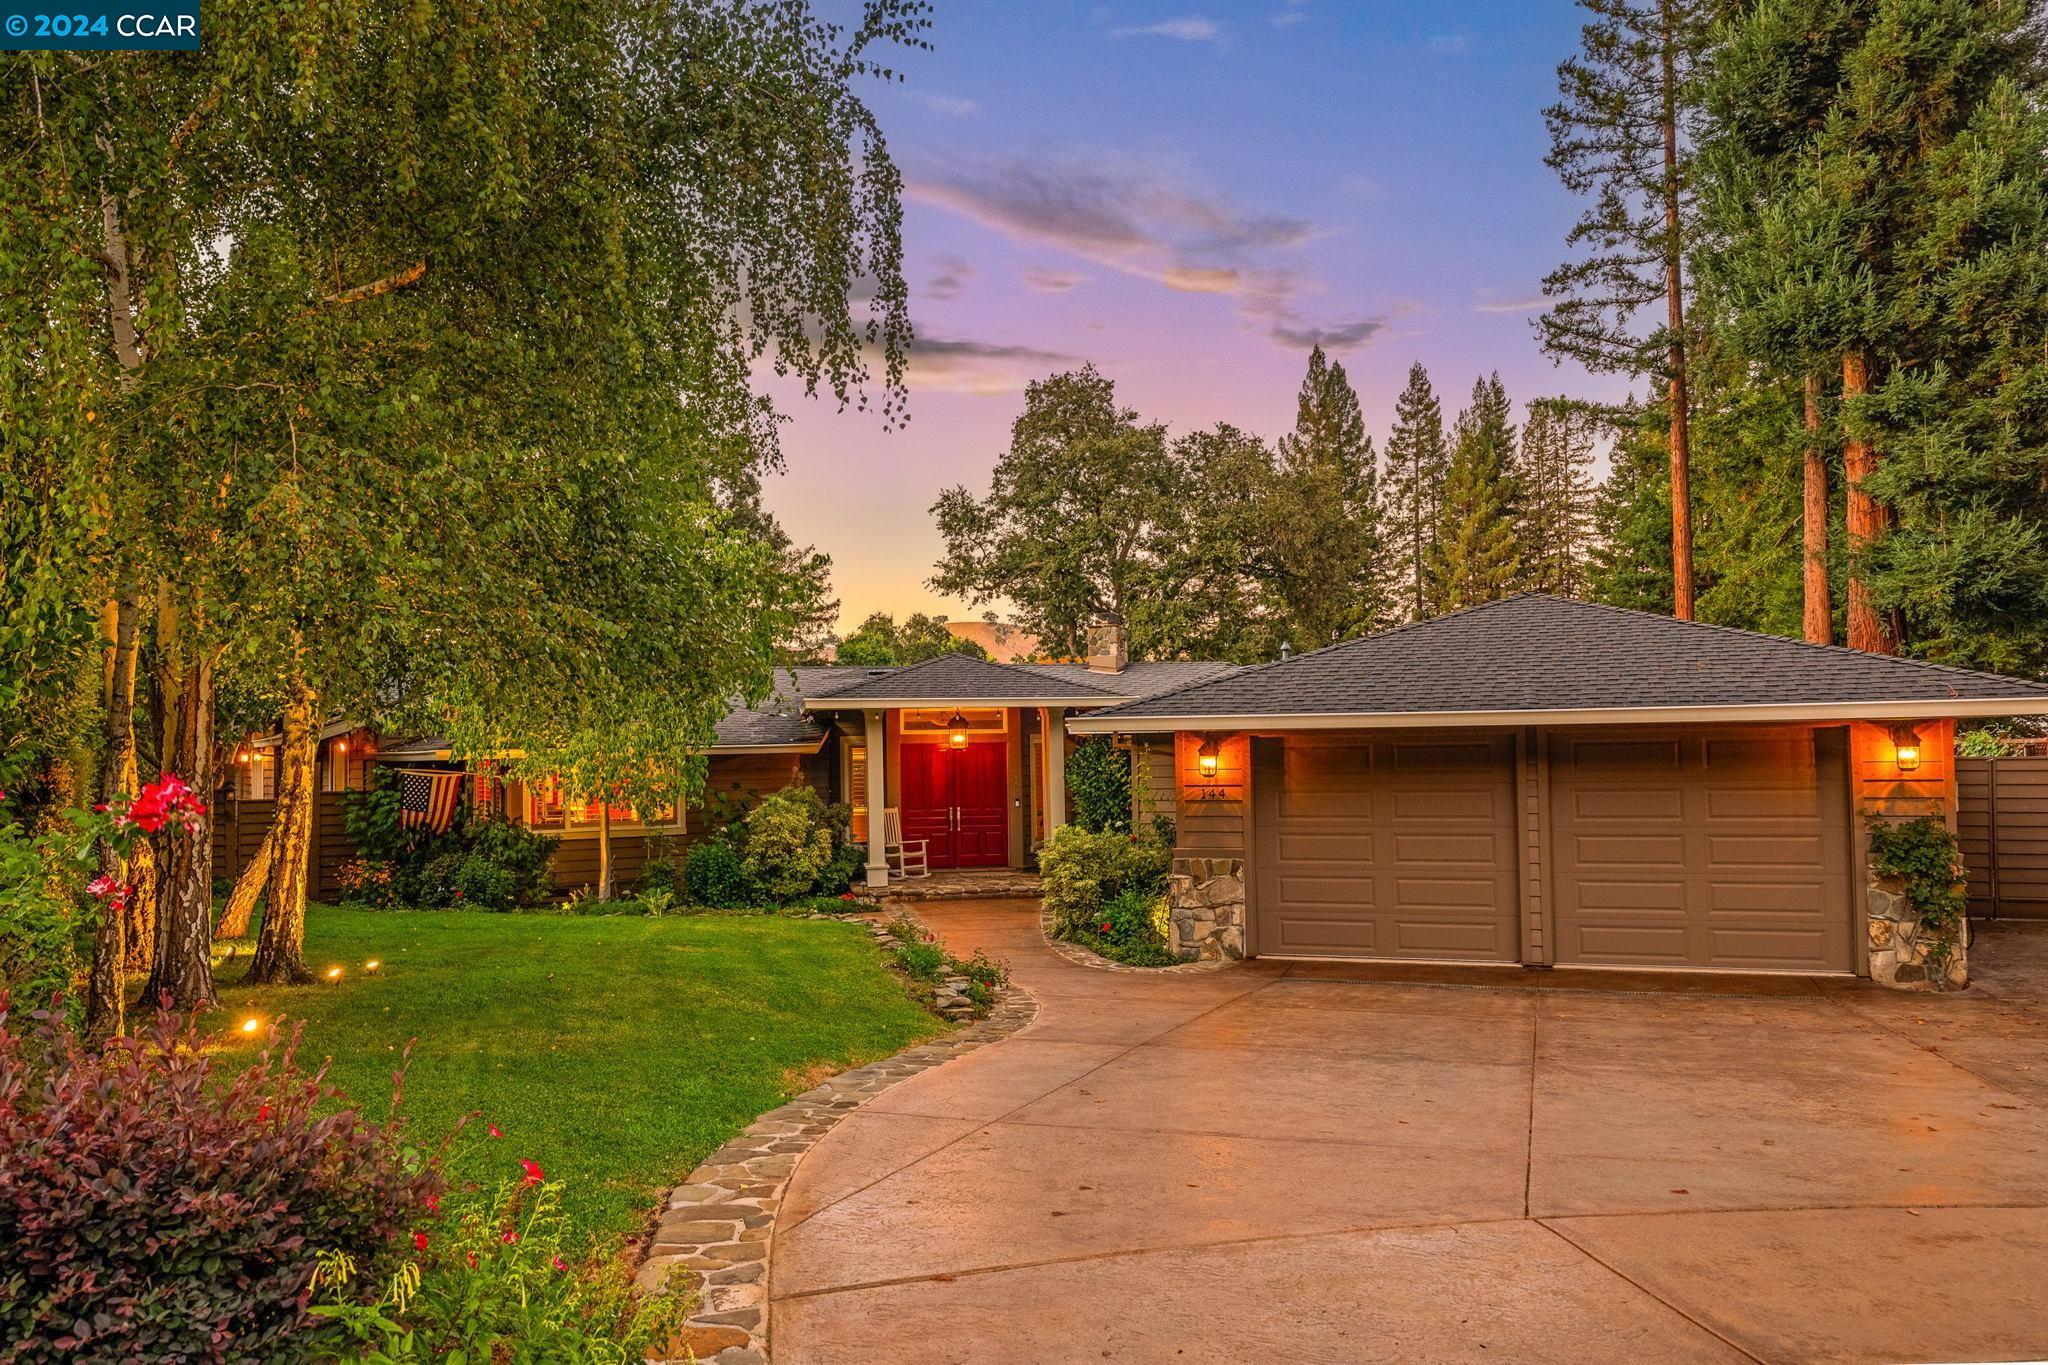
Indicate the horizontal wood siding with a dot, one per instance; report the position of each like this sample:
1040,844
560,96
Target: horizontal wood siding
1213,816
2002,821
734,777
331,846
1152,787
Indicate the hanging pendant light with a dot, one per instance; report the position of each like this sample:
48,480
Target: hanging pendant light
956,724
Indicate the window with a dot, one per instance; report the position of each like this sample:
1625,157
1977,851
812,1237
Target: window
857,792
548,808
347,766
256,774
938,722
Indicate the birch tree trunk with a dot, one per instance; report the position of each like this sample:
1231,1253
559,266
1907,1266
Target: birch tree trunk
107,985
280,949
1820,608
183,971
604,849
249,887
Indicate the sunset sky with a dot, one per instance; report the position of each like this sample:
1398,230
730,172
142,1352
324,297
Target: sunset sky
1189,197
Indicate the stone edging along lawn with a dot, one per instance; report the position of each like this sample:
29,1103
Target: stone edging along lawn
720,1223
1084,957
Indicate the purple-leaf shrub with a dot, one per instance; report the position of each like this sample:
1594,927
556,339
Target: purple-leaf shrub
154,1208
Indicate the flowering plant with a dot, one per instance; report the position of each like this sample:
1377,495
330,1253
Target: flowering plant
494,1277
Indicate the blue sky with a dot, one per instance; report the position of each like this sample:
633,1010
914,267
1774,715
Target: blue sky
1188,196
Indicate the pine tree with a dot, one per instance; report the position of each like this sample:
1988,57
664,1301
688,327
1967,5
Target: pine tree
1554,481
1475,557
1631,561
1619,134
1327,543
1875,200
1417,459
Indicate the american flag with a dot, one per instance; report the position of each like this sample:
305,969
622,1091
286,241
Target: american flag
428,797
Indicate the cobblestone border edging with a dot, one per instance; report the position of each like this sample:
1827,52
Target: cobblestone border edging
1083,957
720,1223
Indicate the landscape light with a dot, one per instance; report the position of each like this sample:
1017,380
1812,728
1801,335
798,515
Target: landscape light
372,965
251,1024
334,973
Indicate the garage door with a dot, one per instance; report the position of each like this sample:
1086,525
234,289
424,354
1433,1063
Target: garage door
1385,848
1713,849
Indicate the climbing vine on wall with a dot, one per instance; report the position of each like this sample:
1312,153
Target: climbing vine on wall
1924,854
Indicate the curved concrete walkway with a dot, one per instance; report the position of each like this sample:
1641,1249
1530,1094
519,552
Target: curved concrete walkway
1265,1163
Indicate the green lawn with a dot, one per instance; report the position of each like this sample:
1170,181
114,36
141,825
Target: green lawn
617,1052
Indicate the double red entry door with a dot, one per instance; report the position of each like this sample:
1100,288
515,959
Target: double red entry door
958,800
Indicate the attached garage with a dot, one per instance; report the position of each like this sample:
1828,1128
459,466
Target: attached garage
1561,784
1386,847
1720,848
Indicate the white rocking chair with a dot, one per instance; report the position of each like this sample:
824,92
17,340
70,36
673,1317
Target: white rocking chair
908,857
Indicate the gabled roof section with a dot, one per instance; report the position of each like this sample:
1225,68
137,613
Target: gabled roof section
1537,657
962,678
1142,678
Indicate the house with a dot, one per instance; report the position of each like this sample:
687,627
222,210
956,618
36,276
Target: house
962,760
1542,782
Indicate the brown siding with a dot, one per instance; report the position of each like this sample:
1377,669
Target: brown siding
331,846
1212,813
1152,785
2002,819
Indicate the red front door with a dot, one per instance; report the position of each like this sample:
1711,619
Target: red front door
957,801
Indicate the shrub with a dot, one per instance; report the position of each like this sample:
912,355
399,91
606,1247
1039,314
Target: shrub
1081,872
788,842
847,868
367,881
488,863
151,1210
495,1278
41,926
664,863
1131,928
713,875
923,960
1099,777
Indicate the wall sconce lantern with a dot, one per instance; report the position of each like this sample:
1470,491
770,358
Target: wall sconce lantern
1906,747
957,725
1206,756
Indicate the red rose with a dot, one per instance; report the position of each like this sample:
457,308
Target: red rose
419,1241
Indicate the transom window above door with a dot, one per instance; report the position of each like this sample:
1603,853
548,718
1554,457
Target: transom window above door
988,720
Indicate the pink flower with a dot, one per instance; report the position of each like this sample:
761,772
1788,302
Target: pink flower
419,1241
102,886
533,1171
471,1258
492,1129
561,1264
509,1237
263,1113
433,1203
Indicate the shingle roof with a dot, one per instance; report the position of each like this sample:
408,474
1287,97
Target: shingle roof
1537,653
960,677
781,718
1142,678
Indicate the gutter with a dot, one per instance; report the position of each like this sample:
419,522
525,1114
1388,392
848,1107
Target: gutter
1933,708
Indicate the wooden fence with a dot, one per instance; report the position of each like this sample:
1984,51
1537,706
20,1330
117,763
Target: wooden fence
2002,821
239,827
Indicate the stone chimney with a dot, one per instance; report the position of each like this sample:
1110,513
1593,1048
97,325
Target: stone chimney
1109,645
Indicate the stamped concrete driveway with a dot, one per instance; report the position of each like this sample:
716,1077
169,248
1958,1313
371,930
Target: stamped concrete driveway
1268,1164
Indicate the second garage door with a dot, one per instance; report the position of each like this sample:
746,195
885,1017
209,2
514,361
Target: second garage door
1725,849
1385,848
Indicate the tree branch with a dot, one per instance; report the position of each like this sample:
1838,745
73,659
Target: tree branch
412,274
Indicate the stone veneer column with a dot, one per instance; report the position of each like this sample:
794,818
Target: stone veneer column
1898,951
1205,887
1205,906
